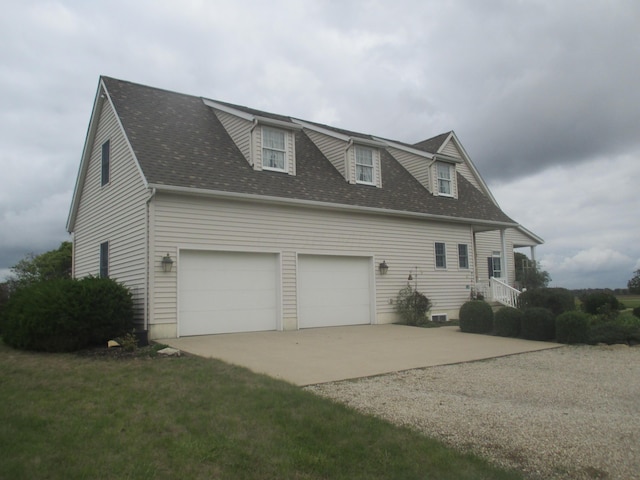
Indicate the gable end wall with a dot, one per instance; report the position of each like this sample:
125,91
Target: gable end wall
115,213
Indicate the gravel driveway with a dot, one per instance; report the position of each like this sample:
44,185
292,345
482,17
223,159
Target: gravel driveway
568,413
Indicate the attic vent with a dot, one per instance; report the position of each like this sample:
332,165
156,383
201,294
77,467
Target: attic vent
439,317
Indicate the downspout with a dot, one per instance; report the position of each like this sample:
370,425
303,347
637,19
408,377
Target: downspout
147,307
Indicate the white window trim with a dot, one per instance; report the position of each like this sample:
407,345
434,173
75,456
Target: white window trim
468,260
374,153
435,258
497,254
285,168
450,179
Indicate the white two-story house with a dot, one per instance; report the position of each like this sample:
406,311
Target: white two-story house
222,218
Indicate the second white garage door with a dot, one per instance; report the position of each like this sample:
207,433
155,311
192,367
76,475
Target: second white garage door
227,292
334,291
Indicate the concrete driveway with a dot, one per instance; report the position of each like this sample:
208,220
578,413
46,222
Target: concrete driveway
320,355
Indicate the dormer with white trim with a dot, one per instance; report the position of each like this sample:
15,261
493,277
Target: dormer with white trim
356,158
443,174
266,143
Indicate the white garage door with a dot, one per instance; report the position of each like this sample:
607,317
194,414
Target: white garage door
334,291
225,292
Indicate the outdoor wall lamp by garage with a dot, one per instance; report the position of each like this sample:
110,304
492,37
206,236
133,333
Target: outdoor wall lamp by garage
383,267
167,263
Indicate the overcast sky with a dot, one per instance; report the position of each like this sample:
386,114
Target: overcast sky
544,95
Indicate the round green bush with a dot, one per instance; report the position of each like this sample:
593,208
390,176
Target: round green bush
538,324
600,303
66,315
572,327
557,300
507,322
476,316
636,312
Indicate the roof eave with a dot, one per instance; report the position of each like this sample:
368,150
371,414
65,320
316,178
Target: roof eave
327,205
86,151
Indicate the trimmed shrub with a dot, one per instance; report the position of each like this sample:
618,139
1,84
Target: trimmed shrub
476,316
412,306
614,332
600,303
66,315
507,322
636,312
538,324
572,327
557,300
108,308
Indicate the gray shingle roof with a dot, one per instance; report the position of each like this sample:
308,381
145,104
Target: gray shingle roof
179,141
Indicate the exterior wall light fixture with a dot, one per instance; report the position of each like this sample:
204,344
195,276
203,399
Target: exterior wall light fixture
167,263
384,268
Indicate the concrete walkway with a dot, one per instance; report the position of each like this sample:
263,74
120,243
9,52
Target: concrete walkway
320,355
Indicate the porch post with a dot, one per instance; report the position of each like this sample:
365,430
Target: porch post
533,253
505,263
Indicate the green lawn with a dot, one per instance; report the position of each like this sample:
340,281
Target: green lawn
70,417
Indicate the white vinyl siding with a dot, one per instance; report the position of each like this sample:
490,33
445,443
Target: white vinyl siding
451,150
331,148
486,244
116,214
416,165
183,222
239,130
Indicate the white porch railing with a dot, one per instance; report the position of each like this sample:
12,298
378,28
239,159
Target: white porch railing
503,293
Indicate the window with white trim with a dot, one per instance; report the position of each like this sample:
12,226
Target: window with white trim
364,165
463,255
274,149
443,171
441,255
495,264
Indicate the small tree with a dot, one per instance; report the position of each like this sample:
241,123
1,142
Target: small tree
634,283
528,274
412,306
51,265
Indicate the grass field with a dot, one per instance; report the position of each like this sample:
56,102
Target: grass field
67,417
629,301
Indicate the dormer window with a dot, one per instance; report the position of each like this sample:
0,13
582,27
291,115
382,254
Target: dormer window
364,165
274,150
444,173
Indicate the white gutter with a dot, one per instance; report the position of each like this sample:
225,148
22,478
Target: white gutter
324,205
